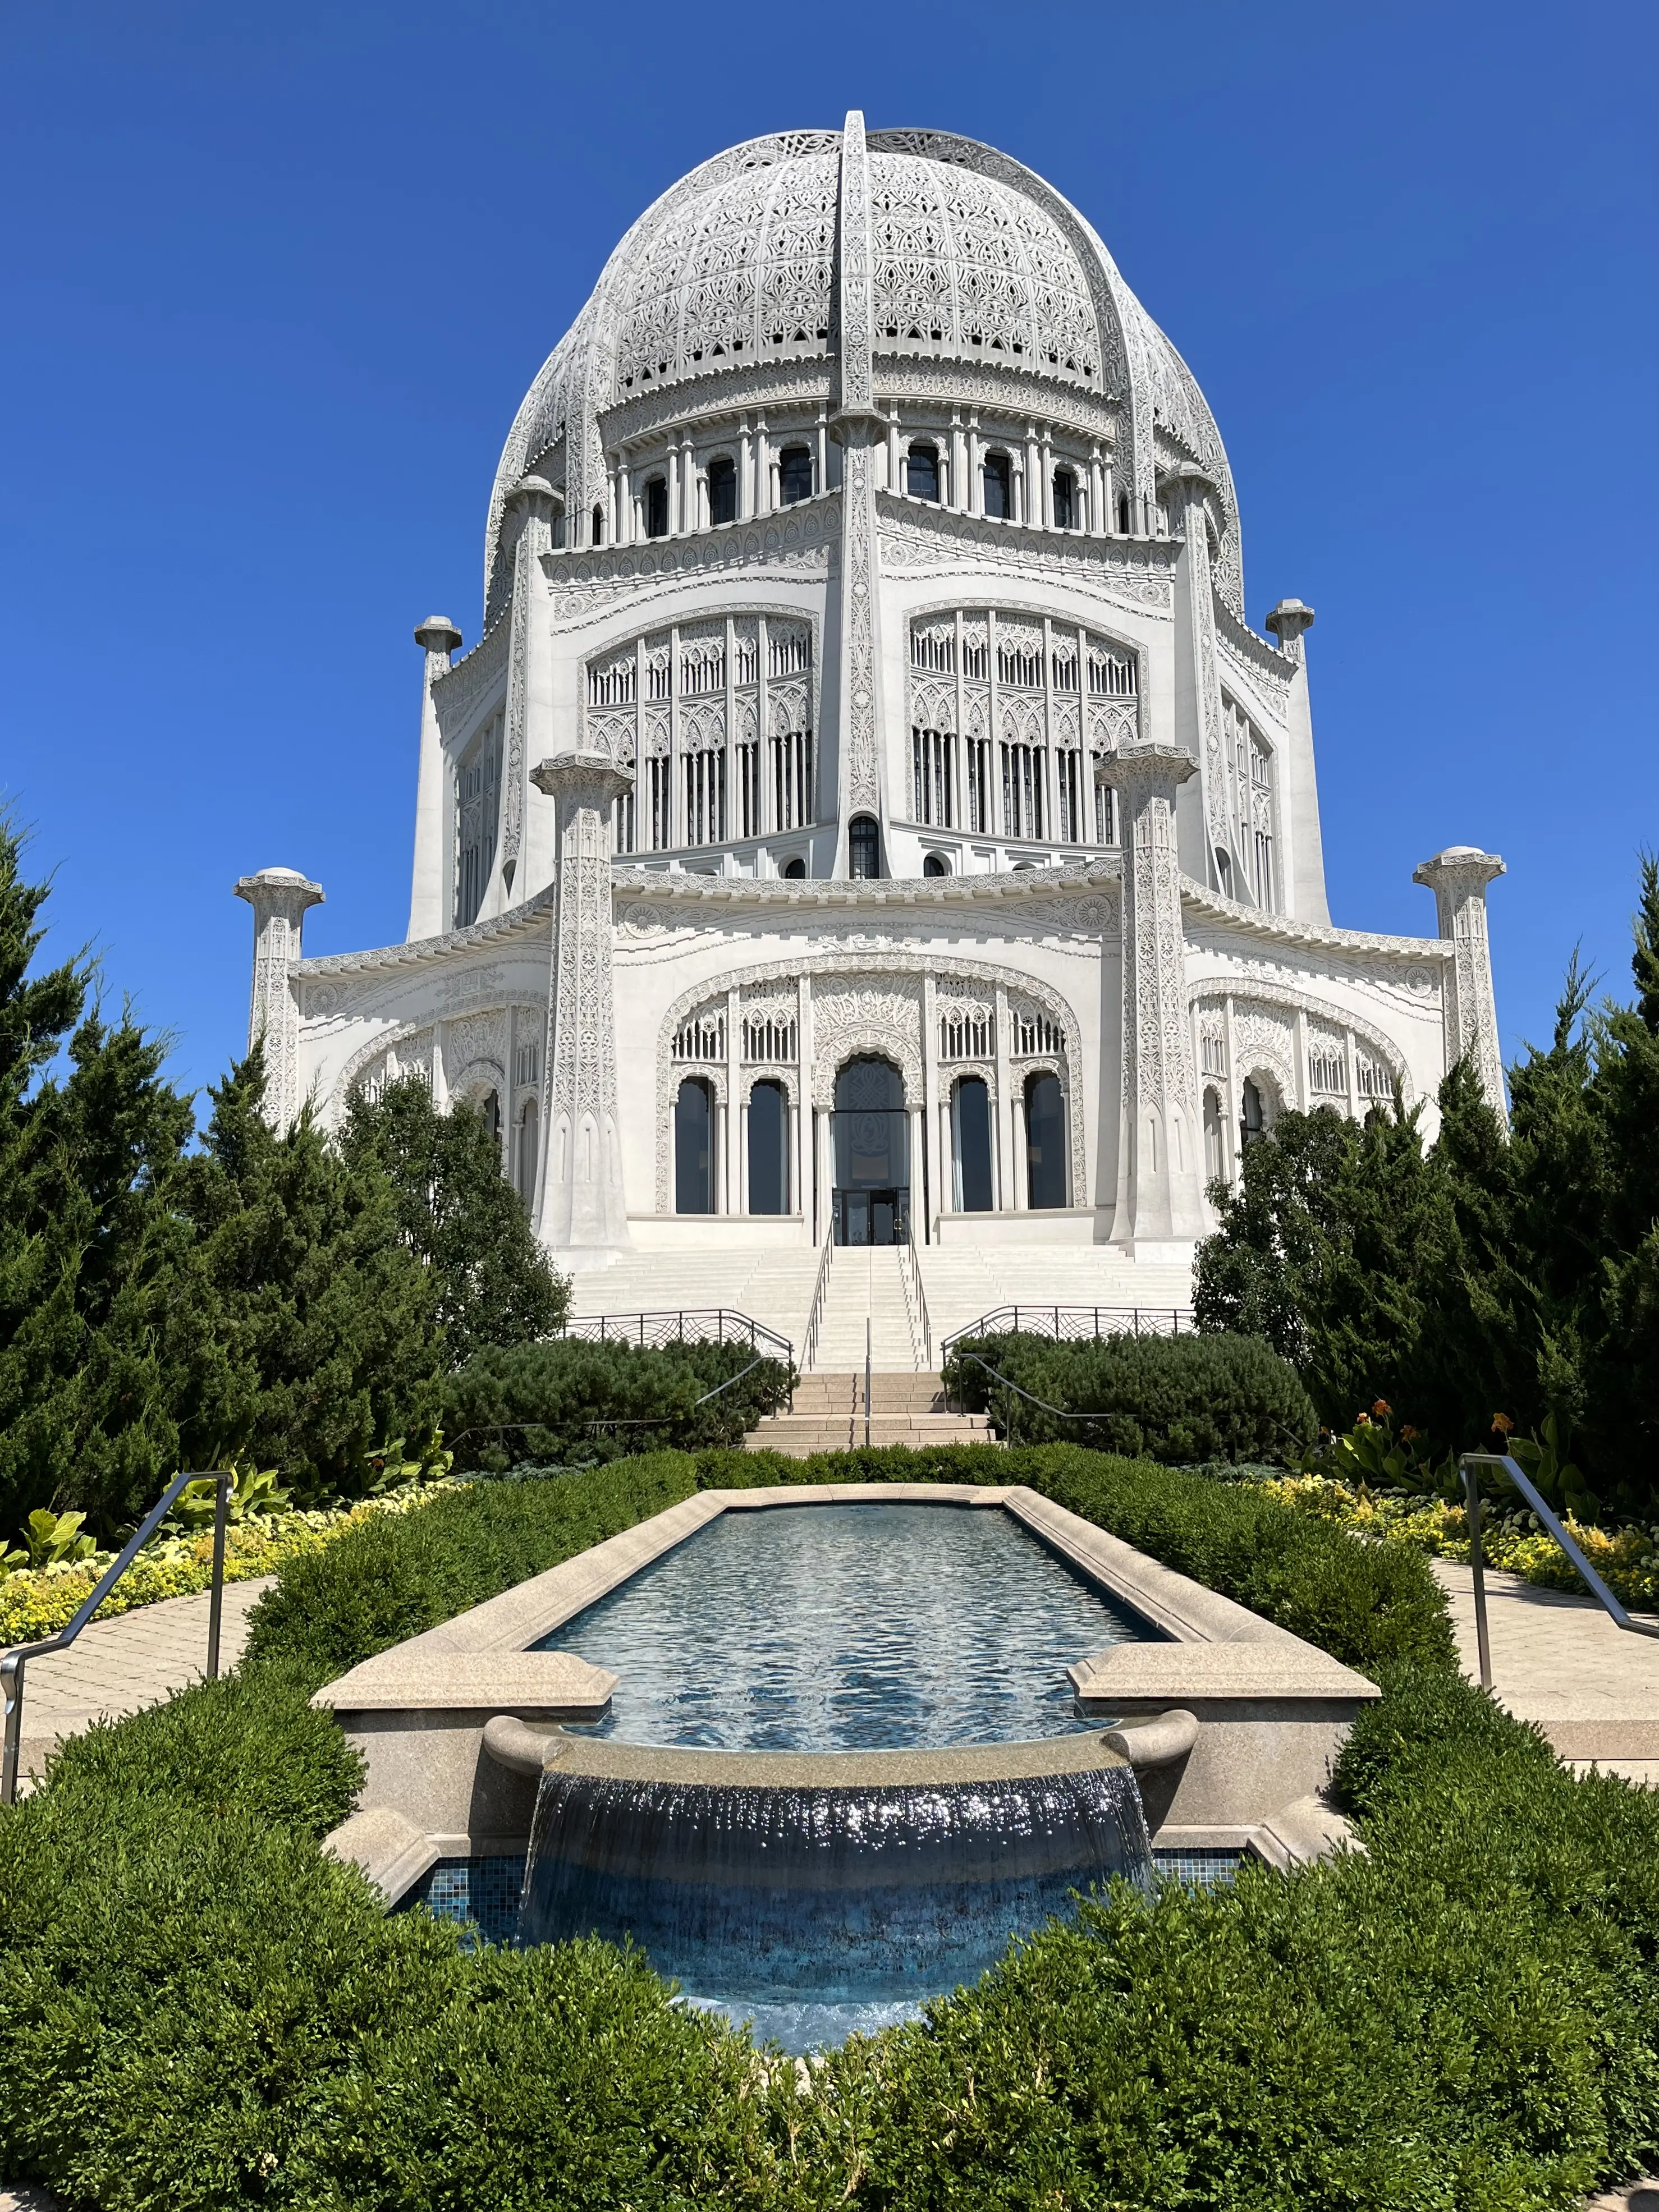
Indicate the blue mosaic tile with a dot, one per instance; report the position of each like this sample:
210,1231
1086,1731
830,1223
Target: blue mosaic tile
1203,1868
482,1892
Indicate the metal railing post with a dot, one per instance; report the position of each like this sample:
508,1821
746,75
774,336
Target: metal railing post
11,1682
867,1381
1483,1647
216,1601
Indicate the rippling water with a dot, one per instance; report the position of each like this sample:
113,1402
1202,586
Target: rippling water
848,1627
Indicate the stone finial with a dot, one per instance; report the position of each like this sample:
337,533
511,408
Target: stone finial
1458,877
279,897
437,634
1147,766
1459,868
1287,622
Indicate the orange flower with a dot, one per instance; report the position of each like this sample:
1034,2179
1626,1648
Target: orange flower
1382,1409
1503,1423
1364,1421
1409,1435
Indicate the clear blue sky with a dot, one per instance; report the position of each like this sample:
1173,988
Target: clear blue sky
275,281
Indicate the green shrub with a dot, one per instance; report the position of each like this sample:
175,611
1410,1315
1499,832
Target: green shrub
571,1399
1177,1399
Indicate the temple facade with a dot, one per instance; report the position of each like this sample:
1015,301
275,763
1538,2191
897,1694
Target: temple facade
866,815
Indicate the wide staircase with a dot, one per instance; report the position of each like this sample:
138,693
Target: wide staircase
773,1287
963,1282
828,1415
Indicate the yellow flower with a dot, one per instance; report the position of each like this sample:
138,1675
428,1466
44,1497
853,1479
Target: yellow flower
1503,1423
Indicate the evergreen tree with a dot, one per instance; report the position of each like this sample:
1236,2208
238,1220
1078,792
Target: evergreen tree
324,1322
90,1249
460,1216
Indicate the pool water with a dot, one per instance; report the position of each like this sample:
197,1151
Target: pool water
848,1627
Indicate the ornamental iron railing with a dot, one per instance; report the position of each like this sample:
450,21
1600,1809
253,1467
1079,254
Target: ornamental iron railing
1073,1324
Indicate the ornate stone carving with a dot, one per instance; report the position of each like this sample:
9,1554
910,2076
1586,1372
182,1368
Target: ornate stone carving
279,897
1458,878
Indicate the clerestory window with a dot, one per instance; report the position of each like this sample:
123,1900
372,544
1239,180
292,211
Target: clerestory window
722,490
656,508
923,476
1065,500
795,475
998,478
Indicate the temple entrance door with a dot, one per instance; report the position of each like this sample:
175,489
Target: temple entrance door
873,1217
869,1147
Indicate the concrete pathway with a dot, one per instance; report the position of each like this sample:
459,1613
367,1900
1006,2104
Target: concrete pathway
138,1658
1557,1660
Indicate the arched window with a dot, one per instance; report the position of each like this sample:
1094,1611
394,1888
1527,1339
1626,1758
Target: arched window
864,846
478,807
694,1147
723,490
1065,500
970,1143
999,482
936,864
769,1170
1215,1156
656,508
529,1131
1123,515
598,525
1045,1142
923,478
794,870
795,475
1252,1120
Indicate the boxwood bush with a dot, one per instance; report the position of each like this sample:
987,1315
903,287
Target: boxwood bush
1177,1399
198,2008
569,1399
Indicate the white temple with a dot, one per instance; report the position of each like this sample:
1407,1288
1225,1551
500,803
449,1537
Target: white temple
867,816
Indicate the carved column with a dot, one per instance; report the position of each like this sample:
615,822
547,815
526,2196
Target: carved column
1458,878
279,897
1298,788
1198,683
529,694
440,638
1160,1182
583,1212
861,431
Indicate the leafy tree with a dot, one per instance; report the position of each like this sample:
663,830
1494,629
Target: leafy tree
90,1249
324,1322
460,1216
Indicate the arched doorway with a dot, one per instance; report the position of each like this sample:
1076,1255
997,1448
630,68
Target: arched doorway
869,1144
970,1141
769,1169
1045,1142
694,1147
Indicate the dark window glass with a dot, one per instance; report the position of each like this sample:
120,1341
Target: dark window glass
972,1117
1123,516
1045,1141
924,472
490,1108
1065,499
936,864
722,491
998,487
694,1153
794,474
795,871
864,846
768,1177
598,525
1252,1121
656,508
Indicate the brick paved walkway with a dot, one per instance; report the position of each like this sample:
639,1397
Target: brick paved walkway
116,1666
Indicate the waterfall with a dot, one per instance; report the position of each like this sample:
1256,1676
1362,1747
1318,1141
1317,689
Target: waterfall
838,1893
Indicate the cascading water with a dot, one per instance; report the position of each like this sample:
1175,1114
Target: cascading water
823,1895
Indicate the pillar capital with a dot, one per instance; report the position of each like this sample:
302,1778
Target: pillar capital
1459,870
1287,622
536,495
592,776
281,892
437,634
1137,770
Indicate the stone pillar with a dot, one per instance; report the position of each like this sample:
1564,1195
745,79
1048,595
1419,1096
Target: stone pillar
1160,1177
1303,878
1458,878
582,1215
1206,825
529,701
279,897
440,638
861,432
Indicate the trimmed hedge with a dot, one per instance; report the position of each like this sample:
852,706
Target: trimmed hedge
1179,1399
572,1399
198,2008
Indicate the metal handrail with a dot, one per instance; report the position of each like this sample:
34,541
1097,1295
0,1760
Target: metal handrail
708,1324
1468,1463
910,1270
815,1316
1159,1321
12,1662
617,1421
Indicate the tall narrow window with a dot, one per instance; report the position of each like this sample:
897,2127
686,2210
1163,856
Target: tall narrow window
622,822
662,805
768,1177
722,490
795,475
923,474
1022,790
598,525
1045,1141
656,508
970,1138
791,780
477,796
694,1148
998,478
979,786
1068,776
1065,500
749,789
529,1130
1123,515
1252,1120
864,847
1105,820
1215,1157
933,776
705,797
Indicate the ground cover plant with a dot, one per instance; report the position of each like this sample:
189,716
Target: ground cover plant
1177,1399
198,2007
